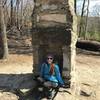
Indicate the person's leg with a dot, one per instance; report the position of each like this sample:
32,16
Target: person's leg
39,87
54,84
54,89
40,79
49,87
50,84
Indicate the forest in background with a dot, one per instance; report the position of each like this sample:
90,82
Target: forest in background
88,13
16,15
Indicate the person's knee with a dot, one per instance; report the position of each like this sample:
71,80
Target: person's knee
47,84
50,84
54,85
40,79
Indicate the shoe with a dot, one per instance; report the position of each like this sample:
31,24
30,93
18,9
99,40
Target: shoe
40,89
49,96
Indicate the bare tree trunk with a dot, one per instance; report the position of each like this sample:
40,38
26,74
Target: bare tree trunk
87,20
11,14
3,31
17,5
81,20
88,45
22,13
75,5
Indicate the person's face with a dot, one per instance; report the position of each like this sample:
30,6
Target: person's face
49,60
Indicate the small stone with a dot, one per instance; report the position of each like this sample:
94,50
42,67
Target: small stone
86,91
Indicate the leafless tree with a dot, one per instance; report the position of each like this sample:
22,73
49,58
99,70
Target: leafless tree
86,24
81,19
11,15
17,10
75,5
3,31
22,17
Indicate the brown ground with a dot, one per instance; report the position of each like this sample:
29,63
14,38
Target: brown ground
89,75
88,67
19,66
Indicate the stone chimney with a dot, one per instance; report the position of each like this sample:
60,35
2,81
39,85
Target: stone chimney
54,31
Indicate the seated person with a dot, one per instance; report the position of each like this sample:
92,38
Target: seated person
50,75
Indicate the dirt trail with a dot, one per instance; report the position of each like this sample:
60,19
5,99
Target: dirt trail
16,64
88,67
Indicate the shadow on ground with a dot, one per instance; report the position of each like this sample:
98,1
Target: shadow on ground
16,82
22,85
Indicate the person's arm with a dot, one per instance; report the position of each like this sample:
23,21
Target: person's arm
58,75
42,70
40,78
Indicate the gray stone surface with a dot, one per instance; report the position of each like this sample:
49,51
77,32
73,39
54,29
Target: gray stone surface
17,81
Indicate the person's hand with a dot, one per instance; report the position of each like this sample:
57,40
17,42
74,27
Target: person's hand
63,85
40,79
